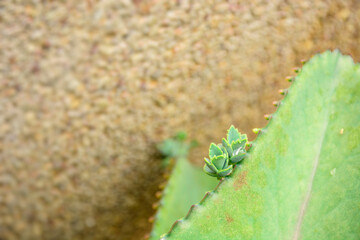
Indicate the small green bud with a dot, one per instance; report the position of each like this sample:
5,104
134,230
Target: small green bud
224,156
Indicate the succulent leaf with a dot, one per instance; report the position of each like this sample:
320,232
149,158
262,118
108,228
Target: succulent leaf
237,158
210,165
244,140
220,162
236,146
225,172
215,150
233,134
227,146
223,149
209,171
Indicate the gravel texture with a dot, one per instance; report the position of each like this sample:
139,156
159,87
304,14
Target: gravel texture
87,88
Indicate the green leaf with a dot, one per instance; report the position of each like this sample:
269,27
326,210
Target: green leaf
301,179
223,149
243,137
186,186
220,162
215,150
210,165
244,140
225,172
237,158
233,134
236,146
209,171
227,146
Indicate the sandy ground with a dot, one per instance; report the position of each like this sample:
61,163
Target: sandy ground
87,88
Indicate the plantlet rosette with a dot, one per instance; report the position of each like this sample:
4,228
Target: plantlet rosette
235,145
224,156
218,164
301,178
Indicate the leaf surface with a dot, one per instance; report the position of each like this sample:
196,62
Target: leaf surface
215,150
233,135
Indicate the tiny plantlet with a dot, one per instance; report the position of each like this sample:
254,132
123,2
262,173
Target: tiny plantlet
224,156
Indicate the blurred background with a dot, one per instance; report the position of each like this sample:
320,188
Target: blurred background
88,88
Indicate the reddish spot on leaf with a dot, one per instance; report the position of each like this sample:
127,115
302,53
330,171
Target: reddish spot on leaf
229,219
240,181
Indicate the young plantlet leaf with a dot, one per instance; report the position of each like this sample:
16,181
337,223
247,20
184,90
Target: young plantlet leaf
210,165
227,146
233,134
236,147
223,149
215,151
210,171
225,172
244,140
220,162
237,158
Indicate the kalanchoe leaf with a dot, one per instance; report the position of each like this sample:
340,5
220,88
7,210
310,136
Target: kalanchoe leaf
215,150
236,147
237,158
244,140
243,144
210,165
208,171
227,160
233,134
225,172
223,149
220,162
243,137
227,146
